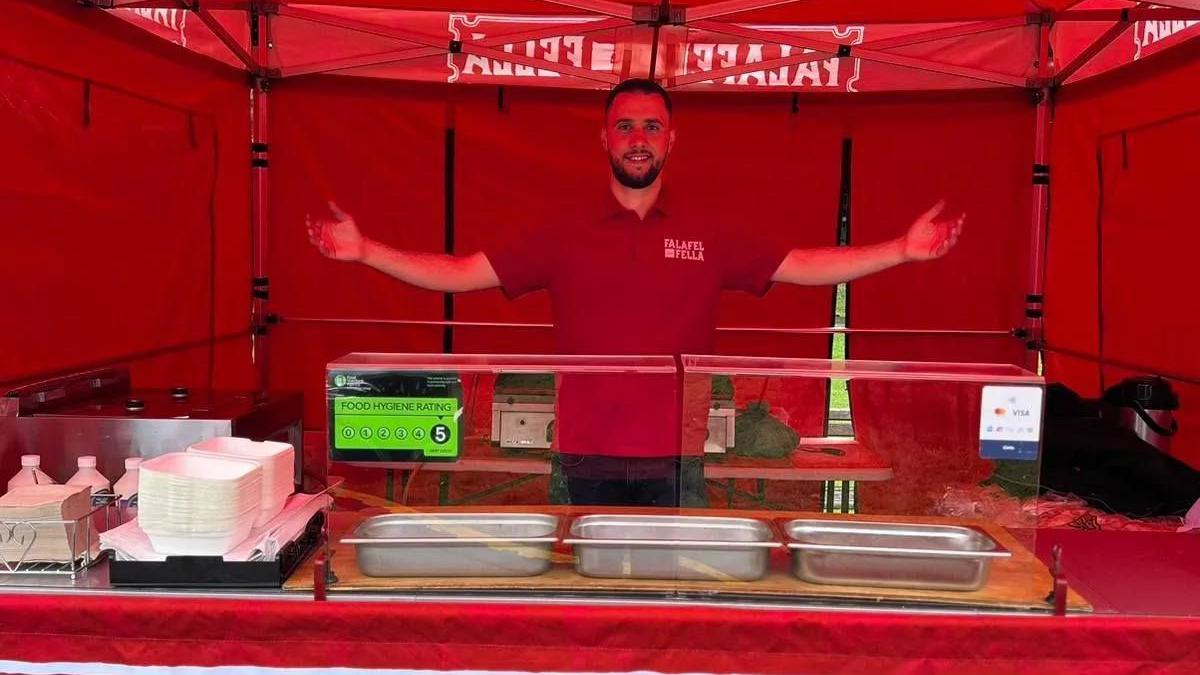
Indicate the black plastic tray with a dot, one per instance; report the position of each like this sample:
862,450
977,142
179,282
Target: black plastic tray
214,571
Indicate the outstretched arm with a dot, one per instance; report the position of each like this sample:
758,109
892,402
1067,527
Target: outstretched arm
928,238
340,239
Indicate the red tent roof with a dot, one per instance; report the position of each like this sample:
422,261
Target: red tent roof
803,45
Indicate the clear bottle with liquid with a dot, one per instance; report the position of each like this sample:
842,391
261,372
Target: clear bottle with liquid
30,473
88,475
126,489
127,485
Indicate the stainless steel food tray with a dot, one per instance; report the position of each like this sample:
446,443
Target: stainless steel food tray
671,547
854,553
455,545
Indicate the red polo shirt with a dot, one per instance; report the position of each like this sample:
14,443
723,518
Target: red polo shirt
626,286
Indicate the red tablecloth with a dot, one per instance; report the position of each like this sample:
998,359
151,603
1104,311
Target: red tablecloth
1129,572
517,637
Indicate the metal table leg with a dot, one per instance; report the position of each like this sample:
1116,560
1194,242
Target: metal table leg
839,496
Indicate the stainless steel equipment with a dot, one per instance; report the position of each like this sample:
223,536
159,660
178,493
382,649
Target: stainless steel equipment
721,418
671,547
455,545
855,553
523,410
99,413
1146,406
523,421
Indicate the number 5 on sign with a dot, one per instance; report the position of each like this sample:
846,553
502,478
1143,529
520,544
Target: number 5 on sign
440,434
442,440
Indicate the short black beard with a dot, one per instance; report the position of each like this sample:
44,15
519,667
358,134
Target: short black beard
634,182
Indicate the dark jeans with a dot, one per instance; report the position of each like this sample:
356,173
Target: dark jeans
663,492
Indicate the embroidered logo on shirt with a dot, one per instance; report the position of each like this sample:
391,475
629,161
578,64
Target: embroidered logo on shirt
678,249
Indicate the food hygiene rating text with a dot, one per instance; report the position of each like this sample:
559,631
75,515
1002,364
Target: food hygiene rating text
392,406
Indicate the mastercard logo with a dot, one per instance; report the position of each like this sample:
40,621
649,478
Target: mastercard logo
1001,411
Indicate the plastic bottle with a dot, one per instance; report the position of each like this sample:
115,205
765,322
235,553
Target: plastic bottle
30,473
127,485
88,475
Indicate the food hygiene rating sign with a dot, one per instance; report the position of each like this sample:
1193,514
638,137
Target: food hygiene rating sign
428,425
1010,424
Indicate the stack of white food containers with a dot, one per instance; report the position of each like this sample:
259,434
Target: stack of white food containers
278,462
193,504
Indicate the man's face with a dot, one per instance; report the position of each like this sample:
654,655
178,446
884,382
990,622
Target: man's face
638,138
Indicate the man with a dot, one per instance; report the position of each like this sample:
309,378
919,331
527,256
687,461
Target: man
636,272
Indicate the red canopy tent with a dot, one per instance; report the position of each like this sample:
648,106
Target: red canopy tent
111,133
145,172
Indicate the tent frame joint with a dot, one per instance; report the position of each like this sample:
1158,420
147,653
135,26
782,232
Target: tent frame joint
262,6
664,14
1041,176
1031,337
262,79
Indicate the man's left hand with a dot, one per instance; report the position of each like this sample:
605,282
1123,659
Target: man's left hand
932,235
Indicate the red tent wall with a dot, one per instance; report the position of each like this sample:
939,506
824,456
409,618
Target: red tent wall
1125,173
124,174
376,148
977,154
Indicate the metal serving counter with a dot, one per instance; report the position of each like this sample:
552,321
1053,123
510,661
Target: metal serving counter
1164,584
1018,583
94,583
101,413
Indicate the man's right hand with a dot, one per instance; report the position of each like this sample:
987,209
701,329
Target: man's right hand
339,238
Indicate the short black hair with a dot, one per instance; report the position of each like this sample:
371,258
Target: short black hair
638,85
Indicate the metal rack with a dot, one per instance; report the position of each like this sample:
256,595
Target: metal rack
24,532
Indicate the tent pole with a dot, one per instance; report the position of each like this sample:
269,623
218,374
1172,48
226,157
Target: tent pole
259,199
936,332
949,32
398,56
1126,15
409,53
617,10
463,47
866,53
757,66
1043,96
1064,73
226,39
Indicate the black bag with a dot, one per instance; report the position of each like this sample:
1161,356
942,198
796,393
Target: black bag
1089,455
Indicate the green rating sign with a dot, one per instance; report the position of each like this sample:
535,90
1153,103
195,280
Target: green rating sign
426,425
